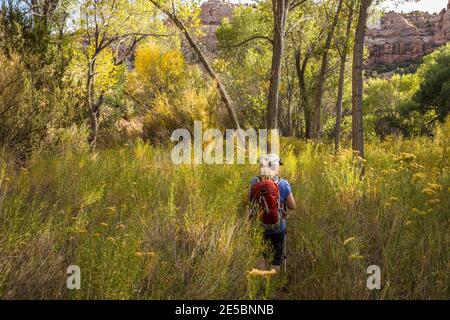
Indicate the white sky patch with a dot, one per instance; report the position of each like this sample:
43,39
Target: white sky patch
423,5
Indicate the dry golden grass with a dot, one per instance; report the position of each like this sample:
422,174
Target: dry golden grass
140,227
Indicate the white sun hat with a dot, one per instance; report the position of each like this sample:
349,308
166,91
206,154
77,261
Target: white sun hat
269,164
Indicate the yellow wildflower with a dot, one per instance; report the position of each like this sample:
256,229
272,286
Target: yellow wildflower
434,186
25,170
356,256
417,166
428,191
261,273
393,199
431,189
139,254
392,171
406,157
111,239
417,211
104,224
349,240
432,202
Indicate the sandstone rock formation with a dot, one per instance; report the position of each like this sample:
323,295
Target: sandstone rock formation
398,39
211,16
442,35
403,38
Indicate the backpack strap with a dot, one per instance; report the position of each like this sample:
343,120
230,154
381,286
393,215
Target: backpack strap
282,205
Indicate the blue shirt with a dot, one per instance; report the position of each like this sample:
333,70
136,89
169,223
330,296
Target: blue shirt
285,190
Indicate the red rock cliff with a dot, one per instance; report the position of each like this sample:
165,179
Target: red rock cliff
398,38
402,38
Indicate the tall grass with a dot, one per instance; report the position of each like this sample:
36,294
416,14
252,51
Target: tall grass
140,227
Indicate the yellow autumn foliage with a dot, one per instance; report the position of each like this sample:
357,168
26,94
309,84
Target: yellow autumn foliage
158,68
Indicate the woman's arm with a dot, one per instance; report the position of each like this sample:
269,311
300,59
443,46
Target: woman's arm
290,201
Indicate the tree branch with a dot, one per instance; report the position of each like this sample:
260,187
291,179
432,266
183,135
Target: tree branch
296,4
235,45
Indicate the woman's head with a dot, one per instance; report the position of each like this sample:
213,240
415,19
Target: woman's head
269,165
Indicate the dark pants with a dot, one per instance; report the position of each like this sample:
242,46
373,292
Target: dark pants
276,242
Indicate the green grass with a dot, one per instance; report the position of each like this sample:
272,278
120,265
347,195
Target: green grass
142,228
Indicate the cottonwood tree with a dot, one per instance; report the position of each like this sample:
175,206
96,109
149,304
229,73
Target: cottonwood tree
313,48
279,15
357,74
271,35
244,60
178,12
315,123
304,40
109,31
280,11
357,79
343,47
434,92
42,11
277,11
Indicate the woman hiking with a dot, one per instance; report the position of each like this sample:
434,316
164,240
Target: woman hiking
269,197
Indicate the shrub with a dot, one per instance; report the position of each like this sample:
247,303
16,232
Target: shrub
28,113
171,93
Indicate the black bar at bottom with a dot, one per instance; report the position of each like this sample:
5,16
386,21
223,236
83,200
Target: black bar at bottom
222,309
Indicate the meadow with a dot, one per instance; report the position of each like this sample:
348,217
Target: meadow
140,227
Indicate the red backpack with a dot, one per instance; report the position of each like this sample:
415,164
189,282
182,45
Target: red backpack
265,198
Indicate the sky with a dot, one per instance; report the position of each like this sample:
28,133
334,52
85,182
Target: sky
422,5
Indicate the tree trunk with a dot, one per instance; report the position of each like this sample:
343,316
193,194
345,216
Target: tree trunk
357,81
339,103
340,94
289,112
93,104
223,93
301,69
280,9
90,97
94,119
321,76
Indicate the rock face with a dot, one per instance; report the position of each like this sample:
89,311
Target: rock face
403,38
398,39
212,12
442,35
211,16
